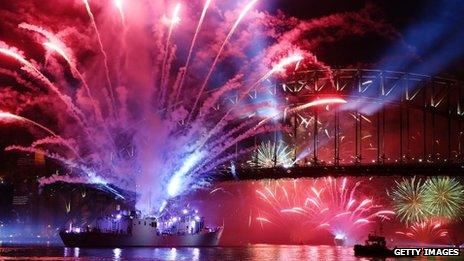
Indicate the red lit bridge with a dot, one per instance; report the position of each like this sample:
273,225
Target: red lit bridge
394,123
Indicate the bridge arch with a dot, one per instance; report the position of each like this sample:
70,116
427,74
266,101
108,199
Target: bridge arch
393,123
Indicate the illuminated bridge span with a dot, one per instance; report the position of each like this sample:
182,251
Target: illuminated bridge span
359,170
394,123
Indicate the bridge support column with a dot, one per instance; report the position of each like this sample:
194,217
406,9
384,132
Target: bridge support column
337,138
378,138
424,125
448,115
433,108
295,136
315,135
383,135
358,137
459,112
408,134
460,143
434,136
275,148
401,160
255,158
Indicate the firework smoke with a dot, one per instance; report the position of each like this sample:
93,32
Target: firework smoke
192,45
242,14
102,50
121,129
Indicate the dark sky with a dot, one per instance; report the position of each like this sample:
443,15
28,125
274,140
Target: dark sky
399,13
432,28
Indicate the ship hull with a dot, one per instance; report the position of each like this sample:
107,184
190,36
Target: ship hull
94,239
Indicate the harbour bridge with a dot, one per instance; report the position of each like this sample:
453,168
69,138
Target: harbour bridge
394,123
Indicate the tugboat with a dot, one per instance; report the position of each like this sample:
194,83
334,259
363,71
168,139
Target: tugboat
133,230
375,246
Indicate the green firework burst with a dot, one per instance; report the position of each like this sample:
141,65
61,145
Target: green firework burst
265,156
444,197
409,200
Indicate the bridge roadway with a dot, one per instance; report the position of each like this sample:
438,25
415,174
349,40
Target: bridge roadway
355,170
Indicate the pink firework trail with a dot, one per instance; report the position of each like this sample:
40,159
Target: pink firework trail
242,15
425,232
10,116
31,69
119,5
54,44
102,50
319,102
281,65
174,20
6,116
192,45
55,48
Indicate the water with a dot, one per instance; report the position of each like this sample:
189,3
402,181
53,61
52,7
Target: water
253,252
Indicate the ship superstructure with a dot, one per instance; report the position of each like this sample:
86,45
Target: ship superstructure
131,229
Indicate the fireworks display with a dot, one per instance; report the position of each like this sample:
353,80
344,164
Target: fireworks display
444,197
136,126
425,232
269,155
436,198
331,205
9,116
409,200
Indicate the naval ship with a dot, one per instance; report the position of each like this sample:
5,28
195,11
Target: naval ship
133,230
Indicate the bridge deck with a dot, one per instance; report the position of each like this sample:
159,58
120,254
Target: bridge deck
359,170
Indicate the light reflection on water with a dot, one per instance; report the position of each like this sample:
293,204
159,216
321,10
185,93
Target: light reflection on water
117,254
254,252
173,254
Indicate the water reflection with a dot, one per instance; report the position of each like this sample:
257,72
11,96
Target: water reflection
173,254
196,254
66,251
76,252
254,252
117,254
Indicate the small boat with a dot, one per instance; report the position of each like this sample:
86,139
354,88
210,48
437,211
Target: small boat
375,246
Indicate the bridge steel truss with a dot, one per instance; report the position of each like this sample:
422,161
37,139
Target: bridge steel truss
417,125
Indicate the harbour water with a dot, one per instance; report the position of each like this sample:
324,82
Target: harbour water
252,252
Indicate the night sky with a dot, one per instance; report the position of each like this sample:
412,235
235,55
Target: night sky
428,26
